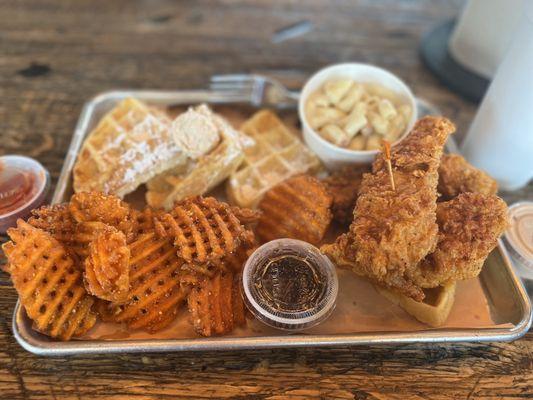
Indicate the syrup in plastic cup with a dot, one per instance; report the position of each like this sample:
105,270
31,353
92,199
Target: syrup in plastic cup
288,284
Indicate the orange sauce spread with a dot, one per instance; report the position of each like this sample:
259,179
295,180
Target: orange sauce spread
16,188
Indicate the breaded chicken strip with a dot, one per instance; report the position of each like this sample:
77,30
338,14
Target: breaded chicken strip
457,176
469,228
343,185
393,230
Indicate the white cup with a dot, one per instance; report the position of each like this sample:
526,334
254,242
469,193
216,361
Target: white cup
500,139
333,156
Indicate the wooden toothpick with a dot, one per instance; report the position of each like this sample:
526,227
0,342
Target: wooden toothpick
386,153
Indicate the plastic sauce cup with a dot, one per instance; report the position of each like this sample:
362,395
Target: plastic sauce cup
288,284
24,184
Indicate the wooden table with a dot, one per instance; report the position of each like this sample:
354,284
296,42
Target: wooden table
56,55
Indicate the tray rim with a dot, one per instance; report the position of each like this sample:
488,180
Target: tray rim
29,341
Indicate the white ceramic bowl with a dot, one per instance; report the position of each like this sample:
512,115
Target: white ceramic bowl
332,155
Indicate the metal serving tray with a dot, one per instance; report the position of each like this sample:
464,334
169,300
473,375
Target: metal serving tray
507,301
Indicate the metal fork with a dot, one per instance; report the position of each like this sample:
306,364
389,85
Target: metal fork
261,90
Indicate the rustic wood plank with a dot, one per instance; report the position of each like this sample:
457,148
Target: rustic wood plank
56,55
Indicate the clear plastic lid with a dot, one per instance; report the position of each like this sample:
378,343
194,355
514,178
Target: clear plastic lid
24,184
519,236
288,284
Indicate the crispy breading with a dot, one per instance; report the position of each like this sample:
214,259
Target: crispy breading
343,185
469,227
49,284
457,176
393,230
106,274
297,208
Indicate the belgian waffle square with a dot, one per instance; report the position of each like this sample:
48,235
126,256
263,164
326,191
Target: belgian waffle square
130,145
277,155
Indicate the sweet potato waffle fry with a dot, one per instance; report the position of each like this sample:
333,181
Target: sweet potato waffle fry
141,265
56,220
216,306
108,209
298,208
233,262
203,229
82,237
155,285
49,285
107,266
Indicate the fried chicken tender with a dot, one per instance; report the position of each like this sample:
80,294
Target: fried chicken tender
469,228
343,185
457,176
393,230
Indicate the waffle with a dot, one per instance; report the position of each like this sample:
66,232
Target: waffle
199,176
130,145
277,155
435,308
49,285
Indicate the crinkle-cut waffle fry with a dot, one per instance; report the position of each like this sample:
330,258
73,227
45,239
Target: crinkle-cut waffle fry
233,262
201,174
49,285
131,144
56,220
203,229
144,221
237,304
109,209
82,237
277,155
155,285
246,216
107,266
216,306
298,208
